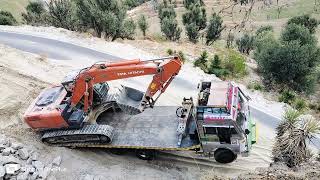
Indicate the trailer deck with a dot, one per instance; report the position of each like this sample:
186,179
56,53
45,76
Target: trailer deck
154,128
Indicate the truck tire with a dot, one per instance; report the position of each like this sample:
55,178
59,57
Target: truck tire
224,156
145,154
118,151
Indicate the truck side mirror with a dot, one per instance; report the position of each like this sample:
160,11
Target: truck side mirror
246,131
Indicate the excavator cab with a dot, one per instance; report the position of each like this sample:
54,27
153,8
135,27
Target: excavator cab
52,109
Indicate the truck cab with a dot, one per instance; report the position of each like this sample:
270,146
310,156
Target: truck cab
223,124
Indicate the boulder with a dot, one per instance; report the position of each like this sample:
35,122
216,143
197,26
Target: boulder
23,154
6,151
3,139
56,161
38,165
51,178
2,146
9,160
12,169
2,172
35,156
8,143
44,173
34,176
23,176
16,146
98,178
29,161
28,169
88,177
12,151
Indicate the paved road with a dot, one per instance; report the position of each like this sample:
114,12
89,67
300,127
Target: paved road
271,121
64,51
52,48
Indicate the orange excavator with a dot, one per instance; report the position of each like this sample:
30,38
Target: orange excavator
66,113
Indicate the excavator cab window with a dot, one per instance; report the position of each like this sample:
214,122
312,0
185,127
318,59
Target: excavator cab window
100,92
49,96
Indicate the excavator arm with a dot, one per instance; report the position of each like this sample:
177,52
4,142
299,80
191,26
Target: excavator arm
163,69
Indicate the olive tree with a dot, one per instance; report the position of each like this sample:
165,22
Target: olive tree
214,29
143,24
106,17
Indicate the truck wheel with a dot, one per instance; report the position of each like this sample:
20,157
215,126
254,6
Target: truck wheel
104,139
224,156
118,151
145,154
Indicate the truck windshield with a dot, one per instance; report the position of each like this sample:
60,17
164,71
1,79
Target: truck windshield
215,110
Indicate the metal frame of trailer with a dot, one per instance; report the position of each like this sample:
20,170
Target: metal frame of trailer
158,128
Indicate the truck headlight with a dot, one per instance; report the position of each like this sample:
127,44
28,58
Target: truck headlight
234,141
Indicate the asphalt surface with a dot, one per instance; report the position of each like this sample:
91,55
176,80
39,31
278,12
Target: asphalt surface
53,49
59,50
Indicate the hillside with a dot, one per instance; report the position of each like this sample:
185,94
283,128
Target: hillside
16,7
261,14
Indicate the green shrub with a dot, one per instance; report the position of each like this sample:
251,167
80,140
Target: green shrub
290,62
169,27
166,10
188,3
168,22
216,63
255,86
264,29
104,17
195,19
143,24
62,13
36,13
202,61
6,18
170,52
294,32
127,30
192,32
262,40
235,64
214,29
314,106
230,40
215,66
287,96
245,44
134,3
305,20
182,56
300,104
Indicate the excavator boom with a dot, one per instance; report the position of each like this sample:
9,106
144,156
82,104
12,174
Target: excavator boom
164,70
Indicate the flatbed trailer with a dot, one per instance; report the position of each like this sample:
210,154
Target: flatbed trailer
154,129
219,125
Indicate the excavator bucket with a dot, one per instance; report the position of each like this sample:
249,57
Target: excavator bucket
129,100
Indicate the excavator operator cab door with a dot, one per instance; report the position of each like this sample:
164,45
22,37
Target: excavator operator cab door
100,92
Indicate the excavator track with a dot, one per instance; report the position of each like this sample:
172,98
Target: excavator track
88,134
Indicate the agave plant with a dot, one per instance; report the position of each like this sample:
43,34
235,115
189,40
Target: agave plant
292,135
289,121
